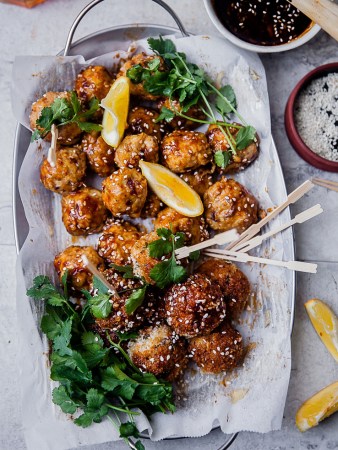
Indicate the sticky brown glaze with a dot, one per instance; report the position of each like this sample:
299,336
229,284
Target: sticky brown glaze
179,123
94,81
100,155
199,179
135,147
228,204
143,120
152,206
83,212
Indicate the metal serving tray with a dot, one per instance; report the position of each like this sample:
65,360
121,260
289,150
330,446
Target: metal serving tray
93,45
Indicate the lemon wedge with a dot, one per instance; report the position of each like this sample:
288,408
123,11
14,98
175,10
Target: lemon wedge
115,106
318,407
172,190
325,322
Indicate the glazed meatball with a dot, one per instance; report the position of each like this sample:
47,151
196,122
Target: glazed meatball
143,120
152,206
185,150
117,241
143,60
218,352
135,147
228,204
83,212
200,179
195,307
234,284
178,123
79,276
125,192
94,81
68,134
242,158
67,174
143,263
193,227
160,351
100,155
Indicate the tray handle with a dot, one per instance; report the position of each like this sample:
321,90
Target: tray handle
93,3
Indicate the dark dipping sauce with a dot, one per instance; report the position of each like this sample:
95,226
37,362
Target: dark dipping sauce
262,22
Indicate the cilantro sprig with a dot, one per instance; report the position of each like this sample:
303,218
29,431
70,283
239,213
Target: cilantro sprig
63,111
99,381
190,85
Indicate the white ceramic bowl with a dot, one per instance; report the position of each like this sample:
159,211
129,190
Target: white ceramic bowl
253,47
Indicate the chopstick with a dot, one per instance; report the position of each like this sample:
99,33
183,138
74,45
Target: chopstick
219,239
328,184
298,266
299,218
255,228
91,267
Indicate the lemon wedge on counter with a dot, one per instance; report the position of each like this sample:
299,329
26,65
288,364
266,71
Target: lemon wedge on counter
172,190
115,105
325,322
318,407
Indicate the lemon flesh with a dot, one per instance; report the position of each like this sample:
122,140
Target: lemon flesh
318,407
172,190
116,105
325,322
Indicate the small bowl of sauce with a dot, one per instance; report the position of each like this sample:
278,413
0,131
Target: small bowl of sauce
261,26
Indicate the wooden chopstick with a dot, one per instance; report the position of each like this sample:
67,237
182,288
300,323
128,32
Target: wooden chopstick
255,228
299,218
328,184
91,267
219,239
298,266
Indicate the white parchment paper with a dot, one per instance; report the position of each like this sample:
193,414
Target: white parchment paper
251,398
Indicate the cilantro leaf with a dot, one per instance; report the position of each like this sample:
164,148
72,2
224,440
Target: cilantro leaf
35,135
135,73
135,299
245,136
161,46
95,409
166,114
70,368
126,270
99,286
126,336
224,104
167,272
43,289
89,126
194,256
222,159
62,340
100,305
62,398
128,429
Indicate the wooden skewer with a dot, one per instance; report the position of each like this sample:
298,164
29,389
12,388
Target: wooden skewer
328,184
298,266
299,218
51,158
255,228
91,267
323,12
219,239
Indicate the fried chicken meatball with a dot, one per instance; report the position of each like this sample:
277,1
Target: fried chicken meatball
228,204
135,147
143,60
83,212
67,174
178,123
160,351
193,227
200,179
94,81
142,261
195,307
152,206
218,352
234,284
125,192
143,120
242,158
79,276
68,134
185,150
117,241
100,155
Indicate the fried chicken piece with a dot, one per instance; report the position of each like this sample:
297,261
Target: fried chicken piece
180,123
199,179
135,147
228,204
143,263
100,155
143,120
152,206
93,81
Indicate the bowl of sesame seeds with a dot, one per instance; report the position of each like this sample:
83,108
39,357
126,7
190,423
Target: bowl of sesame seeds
261,26
311,117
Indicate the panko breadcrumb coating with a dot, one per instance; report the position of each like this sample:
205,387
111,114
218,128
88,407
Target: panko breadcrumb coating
94,81
100,155
199,179
143,263
160,351
220,351
143,120
234,284
83,212
184,150
79,276
116,242
67,173
135,147
228,204
125,192
195,307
